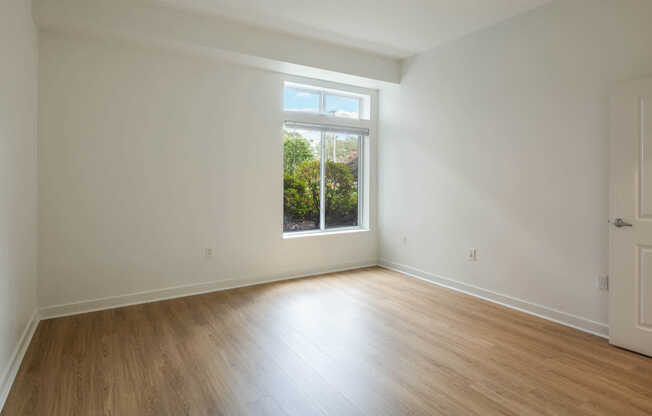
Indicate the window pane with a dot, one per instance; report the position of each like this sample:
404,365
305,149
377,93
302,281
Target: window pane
301,179
343,106
341,184
301,100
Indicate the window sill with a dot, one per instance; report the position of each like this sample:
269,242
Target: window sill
301,234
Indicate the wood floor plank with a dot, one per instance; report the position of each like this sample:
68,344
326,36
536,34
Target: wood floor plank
364,342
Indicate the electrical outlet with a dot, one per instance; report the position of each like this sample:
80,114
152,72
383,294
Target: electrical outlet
472,255
603,282
208,252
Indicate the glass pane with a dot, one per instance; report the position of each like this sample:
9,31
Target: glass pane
301,100
339,106
342,159
301,179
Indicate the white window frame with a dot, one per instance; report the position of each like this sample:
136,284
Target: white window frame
364,101
329,122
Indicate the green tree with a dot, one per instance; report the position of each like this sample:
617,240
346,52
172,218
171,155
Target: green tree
346,151
344,147
296,149
341,193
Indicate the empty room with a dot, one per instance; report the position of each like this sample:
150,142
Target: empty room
302,207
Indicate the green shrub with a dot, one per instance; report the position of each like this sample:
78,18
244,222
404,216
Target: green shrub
308,173
341,193
296,198
302,197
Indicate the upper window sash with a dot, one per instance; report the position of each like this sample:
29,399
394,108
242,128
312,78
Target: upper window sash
362,101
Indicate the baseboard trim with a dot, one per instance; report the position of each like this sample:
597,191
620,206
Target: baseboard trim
9,373
112,302
550,314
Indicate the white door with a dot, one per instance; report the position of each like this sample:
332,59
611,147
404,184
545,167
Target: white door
630,229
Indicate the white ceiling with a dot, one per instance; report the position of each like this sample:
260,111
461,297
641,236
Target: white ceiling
388,27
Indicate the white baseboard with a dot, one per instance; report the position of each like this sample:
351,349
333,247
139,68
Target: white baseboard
112,302
9,373
564,318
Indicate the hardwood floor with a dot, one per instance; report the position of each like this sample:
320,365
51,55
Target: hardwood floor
366,342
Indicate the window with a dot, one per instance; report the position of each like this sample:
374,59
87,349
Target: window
341,181
301,179
323,163
323,101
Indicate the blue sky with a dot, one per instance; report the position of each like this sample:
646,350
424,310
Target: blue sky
300,100
308,101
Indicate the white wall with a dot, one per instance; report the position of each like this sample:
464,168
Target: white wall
18,189
499,141
146,158
154,23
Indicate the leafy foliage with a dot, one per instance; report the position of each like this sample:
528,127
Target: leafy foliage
296,149
341,193
308,173
301,184
345,146
296,198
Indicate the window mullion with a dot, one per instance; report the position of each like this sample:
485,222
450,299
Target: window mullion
322,186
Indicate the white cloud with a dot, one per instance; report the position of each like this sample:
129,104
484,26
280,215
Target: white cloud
347,114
